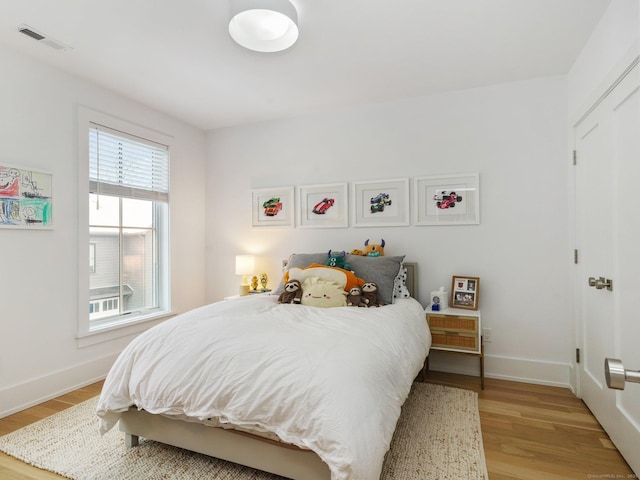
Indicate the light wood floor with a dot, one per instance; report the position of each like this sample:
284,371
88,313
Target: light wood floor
529,432
539,432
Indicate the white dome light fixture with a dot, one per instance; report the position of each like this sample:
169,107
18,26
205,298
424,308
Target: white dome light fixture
263,25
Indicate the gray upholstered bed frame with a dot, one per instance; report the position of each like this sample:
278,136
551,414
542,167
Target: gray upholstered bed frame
232,445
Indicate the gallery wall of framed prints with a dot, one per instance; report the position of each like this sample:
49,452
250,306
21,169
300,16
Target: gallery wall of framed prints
438,200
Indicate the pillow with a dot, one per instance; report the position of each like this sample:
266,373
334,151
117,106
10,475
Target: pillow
400,289
301,260
381,270
340,276
306,259
322,293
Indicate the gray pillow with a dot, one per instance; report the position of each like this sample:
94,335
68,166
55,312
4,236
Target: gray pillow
381,270
301,260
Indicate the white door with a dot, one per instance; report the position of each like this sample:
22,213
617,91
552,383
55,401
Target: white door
608,237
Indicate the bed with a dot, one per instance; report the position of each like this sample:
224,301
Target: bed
304,392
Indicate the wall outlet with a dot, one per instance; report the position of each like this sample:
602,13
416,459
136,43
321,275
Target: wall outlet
487,335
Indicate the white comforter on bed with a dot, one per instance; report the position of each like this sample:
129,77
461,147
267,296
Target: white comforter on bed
328,379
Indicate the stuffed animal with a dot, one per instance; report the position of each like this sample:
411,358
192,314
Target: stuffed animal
337,260
291,293
370,295
322,293
358,252
354,299
374,249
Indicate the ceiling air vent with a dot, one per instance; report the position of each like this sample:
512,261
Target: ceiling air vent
47,40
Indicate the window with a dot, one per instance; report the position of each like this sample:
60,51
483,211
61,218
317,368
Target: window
128,227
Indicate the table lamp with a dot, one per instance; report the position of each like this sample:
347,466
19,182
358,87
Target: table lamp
245,265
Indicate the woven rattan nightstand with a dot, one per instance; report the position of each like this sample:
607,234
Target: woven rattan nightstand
457,330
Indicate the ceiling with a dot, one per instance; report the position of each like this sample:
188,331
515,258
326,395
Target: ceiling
177,56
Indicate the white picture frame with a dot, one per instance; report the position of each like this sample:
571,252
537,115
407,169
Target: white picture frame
26,198
448,199
280,213
381,203
323,206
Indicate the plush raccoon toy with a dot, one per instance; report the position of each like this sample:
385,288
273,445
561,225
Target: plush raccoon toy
291,293
370,295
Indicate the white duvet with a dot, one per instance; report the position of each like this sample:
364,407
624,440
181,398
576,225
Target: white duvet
328,379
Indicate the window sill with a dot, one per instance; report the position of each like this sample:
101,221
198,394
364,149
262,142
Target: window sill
119,329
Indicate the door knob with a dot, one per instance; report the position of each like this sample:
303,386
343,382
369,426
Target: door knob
601,283
604,283
616,375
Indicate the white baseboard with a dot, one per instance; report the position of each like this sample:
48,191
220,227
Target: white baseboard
555,374
32,392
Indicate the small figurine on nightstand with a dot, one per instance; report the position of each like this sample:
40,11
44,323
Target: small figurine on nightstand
263,281
435,306
254,283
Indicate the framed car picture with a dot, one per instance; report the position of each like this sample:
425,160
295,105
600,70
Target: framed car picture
323,206
448,199
383,203
272,207
464,292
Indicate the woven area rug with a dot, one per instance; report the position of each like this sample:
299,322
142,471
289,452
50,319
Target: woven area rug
437,437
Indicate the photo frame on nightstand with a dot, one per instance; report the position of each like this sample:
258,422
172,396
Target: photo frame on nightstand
464,292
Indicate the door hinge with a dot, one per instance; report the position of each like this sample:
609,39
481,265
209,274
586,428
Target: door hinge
577,355
575,256
575,157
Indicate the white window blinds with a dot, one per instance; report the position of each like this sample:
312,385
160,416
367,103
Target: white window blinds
127,166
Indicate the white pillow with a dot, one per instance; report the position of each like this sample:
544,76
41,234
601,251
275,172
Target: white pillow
400,289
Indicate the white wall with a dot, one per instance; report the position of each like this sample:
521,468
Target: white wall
39,283
514,134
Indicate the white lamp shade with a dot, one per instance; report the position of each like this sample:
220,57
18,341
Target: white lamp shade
245,264
263,25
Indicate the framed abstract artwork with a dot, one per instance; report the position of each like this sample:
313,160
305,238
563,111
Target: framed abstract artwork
25,198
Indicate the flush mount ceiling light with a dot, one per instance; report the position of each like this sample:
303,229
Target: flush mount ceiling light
263,25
